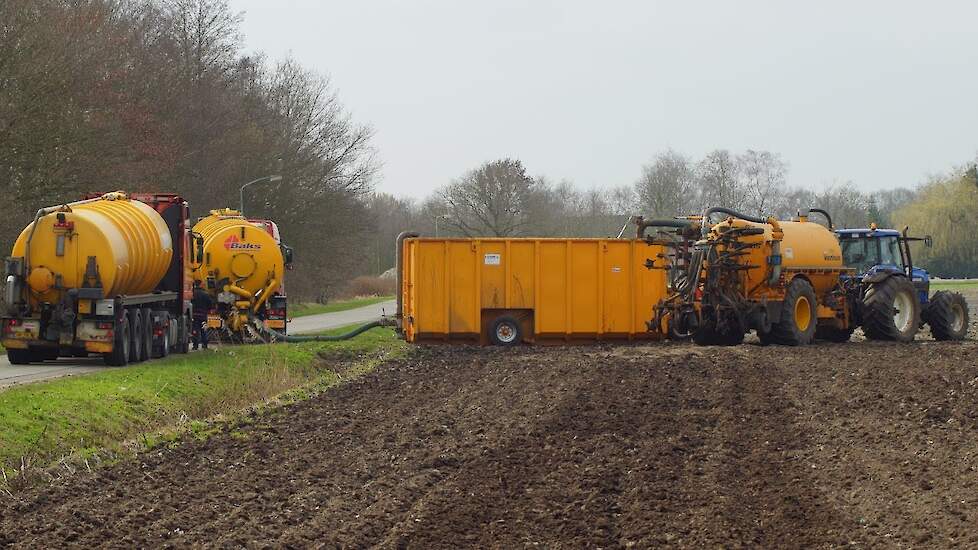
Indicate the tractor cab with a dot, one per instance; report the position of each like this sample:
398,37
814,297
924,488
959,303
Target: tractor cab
878,253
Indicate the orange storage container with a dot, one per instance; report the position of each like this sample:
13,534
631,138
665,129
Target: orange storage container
554,289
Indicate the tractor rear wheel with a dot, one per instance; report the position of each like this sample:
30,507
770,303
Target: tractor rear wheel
796,327
891,310
947,316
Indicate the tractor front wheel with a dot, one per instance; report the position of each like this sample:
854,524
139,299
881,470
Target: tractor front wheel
947,316
891,310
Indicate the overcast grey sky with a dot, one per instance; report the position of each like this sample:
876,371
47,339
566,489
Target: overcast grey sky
879,93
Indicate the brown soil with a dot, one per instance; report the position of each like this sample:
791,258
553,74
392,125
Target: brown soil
605,446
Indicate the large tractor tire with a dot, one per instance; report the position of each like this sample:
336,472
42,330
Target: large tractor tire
799,318
891,310
947,316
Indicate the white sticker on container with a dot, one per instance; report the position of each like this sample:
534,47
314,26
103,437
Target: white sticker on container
789,253
615,269
493,259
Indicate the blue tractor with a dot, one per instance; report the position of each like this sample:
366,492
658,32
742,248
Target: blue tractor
892,296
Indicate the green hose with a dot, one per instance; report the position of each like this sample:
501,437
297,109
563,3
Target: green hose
325,338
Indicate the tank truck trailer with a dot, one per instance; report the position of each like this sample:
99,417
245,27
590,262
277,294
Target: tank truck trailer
110,275
793,282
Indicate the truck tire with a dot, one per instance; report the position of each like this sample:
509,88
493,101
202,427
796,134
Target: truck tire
832,334
119,356
183,334
165,342
891,310
20,356
799,318
506,331
135,335
149,346
947,316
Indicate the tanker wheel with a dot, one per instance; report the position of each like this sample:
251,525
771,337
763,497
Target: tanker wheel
136,352
947,316
506,331
891,310
798,321
119,356
149,346
20,356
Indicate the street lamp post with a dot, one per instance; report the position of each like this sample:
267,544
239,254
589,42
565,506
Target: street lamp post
271,178
439,217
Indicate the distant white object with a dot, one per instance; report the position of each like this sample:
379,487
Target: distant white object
389,274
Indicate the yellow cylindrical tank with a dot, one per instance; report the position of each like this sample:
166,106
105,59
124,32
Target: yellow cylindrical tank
128,242
804,245
238,252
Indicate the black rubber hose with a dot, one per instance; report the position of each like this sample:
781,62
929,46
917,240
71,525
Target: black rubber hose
824,213
326,338
734,213
645,224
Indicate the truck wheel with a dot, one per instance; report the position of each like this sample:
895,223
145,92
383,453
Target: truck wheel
149,346
165,342
832,334
947,316
798,321
183,334
20,356
506,331
135,335
119,356
891,310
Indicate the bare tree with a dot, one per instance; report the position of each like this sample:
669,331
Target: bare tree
762,176
490,200
666,186
718,181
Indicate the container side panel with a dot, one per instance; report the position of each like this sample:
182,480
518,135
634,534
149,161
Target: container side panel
430,285
521,275
493,265
617,288
463,290
585,260
551,309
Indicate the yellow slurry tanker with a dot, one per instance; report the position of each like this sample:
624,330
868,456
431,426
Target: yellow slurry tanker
243,268
109,274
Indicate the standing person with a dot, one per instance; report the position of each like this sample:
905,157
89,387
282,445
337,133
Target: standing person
202,304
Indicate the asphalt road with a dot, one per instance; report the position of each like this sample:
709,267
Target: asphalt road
20,374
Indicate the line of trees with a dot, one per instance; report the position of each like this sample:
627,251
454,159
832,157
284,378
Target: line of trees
500,199
158,95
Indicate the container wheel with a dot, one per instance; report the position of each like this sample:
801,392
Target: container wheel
891,310
506,331
798,321
20,356
119,356
135,335
947,316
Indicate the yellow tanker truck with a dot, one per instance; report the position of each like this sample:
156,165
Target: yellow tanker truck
243,268
109,274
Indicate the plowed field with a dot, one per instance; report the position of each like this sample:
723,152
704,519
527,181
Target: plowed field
604,446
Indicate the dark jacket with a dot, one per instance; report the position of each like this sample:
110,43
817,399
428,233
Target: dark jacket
202,303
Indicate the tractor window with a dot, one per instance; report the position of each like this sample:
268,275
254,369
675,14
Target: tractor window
860,253
890,251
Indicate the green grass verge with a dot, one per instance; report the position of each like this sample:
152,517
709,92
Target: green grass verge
954,285
301,310
84,414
